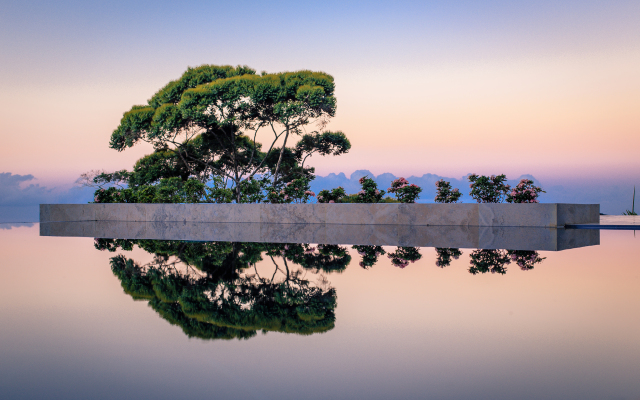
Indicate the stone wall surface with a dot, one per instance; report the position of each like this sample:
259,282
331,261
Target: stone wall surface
499,215
470,237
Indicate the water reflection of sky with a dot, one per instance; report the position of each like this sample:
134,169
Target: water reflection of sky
566,329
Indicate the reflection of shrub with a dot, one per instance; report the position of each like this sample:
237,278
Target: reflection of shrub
112,245
404,255
525,259
369,255
488,189
494,261
445,194
445,255
327,258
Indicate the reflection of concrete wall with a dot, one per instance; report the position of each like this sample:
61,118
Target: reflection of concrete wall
532,215
510,238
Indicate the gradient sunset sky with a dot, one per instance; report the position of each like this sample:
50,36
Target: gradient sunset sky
548,88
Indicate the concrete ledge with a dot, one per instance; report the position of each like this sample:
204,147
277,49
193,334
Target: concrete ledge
473,237
550,215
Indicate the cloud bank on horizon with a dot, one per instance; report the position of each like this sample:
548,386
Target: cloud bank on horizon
19,199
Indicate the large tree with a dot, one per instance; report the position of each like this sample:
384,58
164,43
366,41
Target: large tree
206,124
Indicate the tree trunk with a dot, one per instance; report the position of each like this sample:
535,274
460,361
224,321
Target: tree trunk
275,176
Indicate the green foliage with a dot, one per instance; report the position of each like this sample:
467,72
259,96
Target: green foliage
488,189
219,302
331,196
446,255
404,255
369,255
204,125
326,143
405,192
445,193
369,192
633,205
169,190
114,195
494,261
295,191
218,192
103,180
175,190
525,192
525,259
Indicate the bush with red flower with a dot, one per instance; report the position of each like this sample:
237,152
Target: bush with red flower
369,192
405,192
295,191
331,196
445,193
525,192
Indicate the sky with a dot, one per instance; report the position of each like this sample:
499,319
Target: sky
547,88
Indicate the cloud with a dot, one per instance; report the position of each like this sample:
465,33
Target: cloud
10,225
13,192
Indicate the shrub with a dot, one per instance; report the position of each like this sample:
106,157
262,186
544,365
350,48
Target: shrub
114,195
405,192
218,192
295,191
488,189
331,196
369,192
445,194
524,192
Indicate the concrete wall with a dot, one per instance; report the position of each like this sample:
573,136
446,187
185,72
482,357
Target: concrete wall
550,239
502,215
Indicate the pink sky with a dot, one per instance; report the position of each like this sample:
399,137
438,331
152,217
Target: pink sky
553,92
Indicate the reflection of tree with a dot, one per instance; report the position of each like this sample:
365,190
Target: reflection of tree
211,292
327,257
445,255
525,259
369,255
404,255
494,261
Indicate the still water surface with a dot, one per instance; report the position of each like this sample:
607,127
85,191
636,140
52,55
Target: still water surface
171,319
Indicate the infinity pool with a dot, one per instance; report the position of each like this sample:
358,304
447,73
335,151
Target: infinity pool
86,317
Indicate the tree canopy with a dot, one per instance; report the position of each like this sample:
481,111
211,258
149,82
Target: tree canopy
206,124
